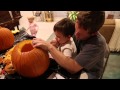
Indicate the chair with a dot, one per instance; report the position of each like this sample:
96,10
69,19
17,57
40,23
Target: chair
105,61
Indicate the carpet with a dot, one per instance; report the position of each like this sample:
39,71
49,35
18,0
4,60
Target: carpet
112,70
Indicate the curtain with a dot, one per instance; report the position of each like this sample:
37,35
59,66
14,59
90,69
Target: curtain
114,43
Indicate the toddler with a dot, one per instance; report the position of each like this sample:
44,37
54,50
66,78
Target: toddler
33,27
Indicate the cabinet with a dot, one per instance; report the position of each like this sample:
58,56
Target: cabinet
9,19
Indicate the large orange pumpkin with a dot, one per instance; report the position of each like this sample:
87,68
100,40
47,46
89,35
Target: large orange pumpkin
28,61
6,38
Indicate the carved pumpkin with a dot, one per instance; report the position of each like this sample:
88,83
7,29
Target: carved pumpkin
28,61
6,39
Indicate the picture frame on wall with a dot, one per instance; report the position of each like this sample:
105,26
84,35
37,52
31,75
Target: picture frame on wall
37,13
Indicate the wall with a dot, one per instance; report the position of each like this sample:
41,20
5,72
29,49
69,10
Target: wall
115,13
45,28
25,14
55,13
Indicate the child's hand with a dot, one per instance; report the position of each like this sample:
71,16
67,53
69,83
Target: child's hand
54,43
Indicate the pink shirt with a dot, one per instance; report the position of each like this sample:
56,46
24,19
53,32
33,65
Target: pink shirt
33,27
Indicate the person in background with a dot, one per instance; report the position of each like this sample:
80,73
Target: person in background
33,27
92,46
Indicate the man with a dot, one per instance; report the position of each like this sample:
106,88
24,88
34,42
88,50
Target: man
92,46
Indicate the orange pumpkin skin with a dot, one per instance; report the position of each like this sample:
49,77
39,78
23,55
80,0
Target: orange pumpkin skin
6,38
28,61
1,60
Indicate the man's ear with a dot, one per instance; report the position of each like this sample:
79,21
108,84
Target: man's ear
69,36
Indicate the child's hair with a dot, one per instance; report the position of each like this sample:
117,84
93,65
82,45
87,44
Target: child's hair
65,26
30,17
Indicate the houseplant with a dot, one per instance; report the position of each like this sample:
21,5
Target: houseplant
73,15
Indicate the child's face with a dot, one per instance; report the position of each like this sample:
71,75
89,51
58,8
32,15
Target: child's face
61,39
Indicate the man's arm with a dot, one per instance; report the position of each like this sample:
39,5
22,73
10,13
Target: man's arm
66,62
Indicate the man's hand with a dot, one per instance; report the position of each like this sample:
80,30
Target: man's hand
39,43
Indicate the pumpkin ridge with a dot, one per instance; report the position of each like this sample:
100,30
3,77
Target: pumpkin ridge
39,61
24,64
33,63
1,44
2,41
44,57
38,51
6,39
